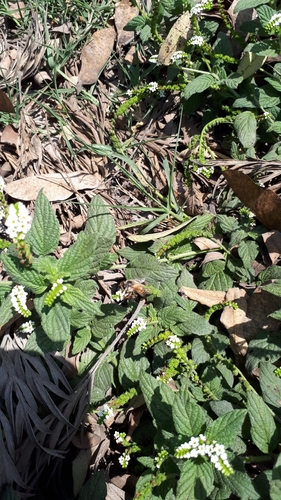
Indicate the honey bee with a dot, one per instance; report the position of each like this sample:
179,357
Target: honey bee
132,289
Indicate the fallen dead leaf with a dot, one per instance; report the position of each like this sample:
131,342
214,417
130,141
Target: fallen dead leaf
205,297
9,136
272,241
265,204
56,186
178,35
205,243
234,320
213,256
124,12
95,54
6,105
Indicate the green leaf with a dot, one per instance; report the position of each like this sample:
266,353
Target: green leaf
263,428
274,83
222,44
199,352
150,268
240,484
75,298
39,343
219,278
46,265
95,487
265,13
77,260
249,64
232,81
196,481
5,288
248,4
81,340
6,311
22,275
159,399
44,234
135,24
188,417
129,366
248,251
228,224
100,225
245,125
263,347
275,127
104,379
56,322
225,428
274,288
198,85
265,49
270,386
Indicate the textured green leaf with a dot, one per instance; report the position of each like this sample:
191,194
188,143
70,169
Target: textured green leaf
129,366
240,484
188,417
228,224
265,13
39,343
248,251
248,4
46,265
198,85
135,24
263,428
245,125
232,81
6,311
219,279
100,225
104,379
23,275
270,386
75,298
275,84
225,428
263,347
150,268
275,127
78,259
213,382
95,487
196,481
44,234
274,288
56,322
265,49
81,340
199,352
222,44
5,288
159,399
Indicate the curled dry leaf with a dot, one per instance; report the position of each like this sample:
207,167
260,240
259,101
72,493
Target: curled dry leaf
56,186
177,37
272,241
235,319
213,256
95,54
205,243
9,135
265,204
206,297
124,12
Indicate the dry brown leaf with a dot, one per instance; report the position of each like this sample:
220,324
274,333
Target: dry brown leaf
272,242
6,105
205,243
213,256
206,297
177,37
124,12
9,135
265,204
56,186
235,319
95,54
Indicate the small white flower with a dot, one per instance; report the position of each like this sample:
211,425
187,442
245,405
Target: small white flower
18,221
129,92
2,184
197,40
124,459
18,298
152,86
117,437
105,412
173,341
27,327
153,59
200,6
177,55
140,324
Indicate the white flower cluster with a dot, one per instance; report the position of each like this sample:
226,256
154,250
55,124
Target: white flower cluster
153,59
27,327
173,342
197,447
152,86
124,460
200,6
197,40
119,436
129,92
140,324
18,298
105,412
275,20
2,184
61,290
177,55
18,221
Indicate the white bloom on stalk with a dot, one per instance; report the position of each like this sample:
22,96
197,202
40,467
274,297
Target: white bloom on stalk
18,221
140,324
18,298
197,40
275,20
27,327
105,412
124,460
197,9
152,86
173,342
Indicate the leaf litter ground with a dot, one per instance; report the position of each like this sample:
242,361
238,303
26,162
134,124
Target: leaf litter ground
63,107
